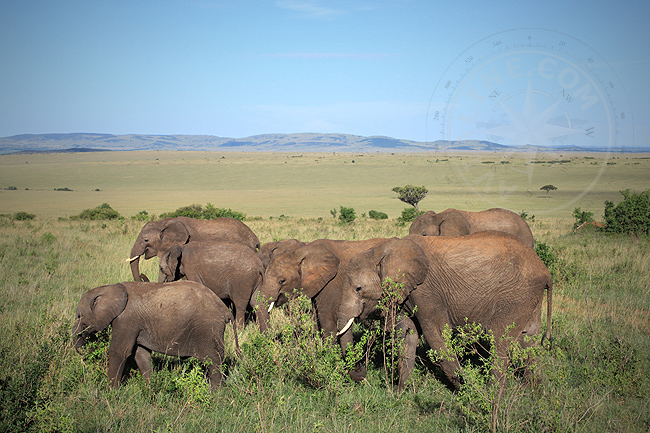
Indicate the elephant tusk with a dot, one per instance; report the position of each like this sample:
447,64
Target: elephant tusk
271,306
132,259
346,327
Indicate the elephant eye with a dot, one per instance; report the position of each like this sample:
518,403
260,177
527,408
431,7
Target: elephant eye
358,289
146,239
282,281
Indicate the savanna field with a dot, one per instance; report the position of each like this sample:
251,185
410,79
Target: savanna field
592,377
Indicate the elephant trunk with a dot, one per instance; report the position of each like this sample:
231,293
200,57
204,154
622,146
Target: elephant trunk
137,250
260,304
135,268
77,340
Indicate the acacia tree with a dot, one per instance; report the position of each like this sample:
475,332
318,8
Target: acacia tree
411,194
548,188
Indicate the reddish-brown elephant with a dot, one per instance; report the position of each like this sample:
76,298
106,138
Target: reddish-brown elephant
490,278
454,222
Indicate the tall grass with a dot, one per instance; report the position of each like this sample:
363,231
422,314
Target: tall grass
594,377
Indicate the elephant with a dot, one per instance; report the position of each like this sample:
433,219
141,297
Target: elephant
489,278
231,270
182,319
313,270
156,237
270,250
454,222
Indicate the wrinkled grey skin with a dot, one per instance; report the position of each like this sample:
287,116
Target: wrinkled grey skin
270,250
314,270
179,319
490,278
156,237
454,222
232,271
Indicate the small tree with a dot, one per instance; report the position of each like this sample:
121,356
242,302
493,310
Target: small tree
631,216
411,194
548,188
347,215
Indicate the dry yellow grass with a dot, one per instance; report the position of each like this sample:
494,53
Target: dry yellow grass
311,184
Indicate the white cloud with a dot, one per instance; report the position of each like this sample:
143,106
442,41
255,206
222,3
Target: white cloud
309,8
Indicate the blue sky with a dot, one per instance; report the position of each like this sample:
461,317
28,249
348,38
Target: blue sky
241,68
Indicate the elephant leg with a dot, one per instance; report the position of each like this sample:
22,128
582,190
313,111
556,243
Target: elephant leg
143,361
240,311
214,368
407,362
433,334
119,351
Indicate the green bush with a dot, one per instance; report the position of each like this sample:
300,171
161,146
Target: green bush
143,215
581,217
631,216
199,212
102,212
376,215
347,214
23,216
409,214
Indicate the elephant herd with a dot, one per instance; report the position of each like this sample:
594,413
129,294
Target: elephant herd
454,267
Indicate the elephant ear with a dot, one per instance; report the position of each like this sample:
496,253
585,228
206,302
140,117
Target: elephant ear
170,264
318,266
421,225
174,233
453,223
405,263
107,303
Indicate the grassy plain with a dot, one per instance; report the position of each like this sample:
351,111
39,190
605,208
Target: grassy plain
310,184
594,378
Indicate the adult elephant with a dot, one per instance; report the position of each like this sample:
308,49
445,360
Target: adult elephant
156,237
232,271
313,270
490,278
454,222
179,319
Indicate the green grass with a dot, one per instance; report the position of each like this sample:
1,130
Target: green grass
310,185
594,378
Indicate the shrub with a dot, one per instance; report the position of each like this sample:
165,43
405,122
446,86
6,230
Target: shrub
143,215
582,217
526,217
376,215
101,212
23,216
347,214
631,216
62,189
409,214
209,212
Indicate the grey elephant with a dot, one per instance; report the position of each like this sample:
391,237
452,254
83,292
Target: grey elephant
231,270
454,222
314,270
490,278
156,237
179,319
269,250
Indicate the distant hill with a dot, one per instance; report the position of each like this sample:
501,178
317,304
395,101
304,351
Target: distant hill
303,142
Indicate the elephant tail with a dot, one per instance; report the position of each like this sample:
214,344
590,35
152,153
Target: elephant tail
549,310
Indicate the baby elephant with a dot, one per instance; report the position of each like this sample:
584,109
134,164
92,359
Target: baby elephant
231,270
180,319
